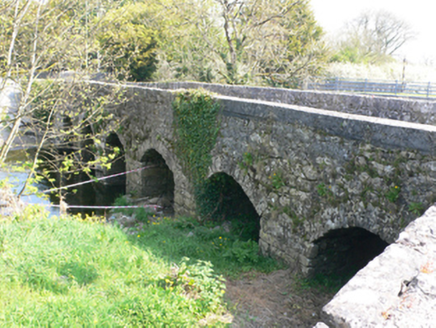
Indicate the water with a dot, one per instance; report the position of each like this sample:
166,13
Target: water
91,194
17,180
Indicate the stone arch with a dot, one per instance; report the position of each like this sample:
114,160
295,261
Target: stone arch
224,200
157,181
340,253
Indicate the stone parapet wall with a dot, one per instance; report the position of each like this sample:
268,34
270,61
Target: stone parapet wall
408,110
397,288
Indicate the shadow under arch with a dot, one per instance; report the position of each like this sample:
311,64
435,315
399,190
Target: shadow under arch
341,253
101,193
157,181
107,190
118,164
222,199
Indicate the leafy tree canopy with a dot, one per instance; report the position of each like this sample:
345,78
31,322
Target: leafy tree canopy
129,42
241,41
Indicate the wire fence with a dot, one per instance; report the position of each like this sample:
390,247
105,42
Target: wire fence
104,207
382,87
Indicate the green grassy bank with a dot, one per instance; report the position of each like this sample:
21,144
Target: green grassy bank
68,272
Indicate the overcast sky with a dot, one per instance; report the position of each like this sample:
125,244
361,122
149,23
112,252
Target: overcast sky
419,14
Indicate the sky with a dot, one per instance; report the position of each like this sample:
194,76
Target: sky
419,14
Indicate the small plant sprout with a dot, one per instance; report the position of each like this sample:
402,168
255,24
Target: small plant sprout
393,193
416,208
277,180
322,190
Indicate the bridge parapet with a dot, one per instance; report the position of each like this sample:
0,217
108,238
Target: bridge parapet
397,288
402,109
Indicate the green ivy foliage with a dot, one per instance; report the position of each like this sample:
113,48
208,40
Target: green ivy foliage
196,128
220,197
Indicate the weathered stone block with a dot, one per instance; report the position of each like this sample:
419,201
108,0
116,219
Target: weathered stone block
396,289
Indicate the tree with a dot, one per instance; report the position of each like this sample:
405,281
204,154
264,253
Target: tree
235,41
47,38
129,41
190,40
300,54
373,37
252,29
244,41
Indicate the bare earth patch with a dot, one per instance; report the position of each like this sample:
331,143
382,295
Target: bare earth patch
274,300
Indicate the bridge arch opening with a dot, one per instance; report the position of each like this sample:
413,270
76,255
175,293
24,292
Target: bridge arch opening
157,181
107,190
341,253
118,164
103,192
222,199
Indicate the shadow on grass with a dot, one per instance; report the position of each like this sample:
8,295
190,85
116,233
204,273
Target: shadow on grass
175,239
82,274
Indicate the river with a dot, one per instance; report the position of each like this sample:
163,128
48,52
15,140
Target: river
91,194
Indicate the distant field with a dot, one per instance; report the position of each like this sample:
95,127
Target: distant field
389,71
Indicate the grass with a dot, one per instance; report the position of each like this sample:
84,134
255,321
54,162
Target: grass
67,272
229,255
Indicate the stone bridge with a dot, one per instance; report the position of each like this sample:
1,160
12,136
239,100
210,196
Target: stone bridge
332,179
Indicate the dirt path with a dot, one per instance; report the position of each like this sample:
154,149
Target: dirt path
274,300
